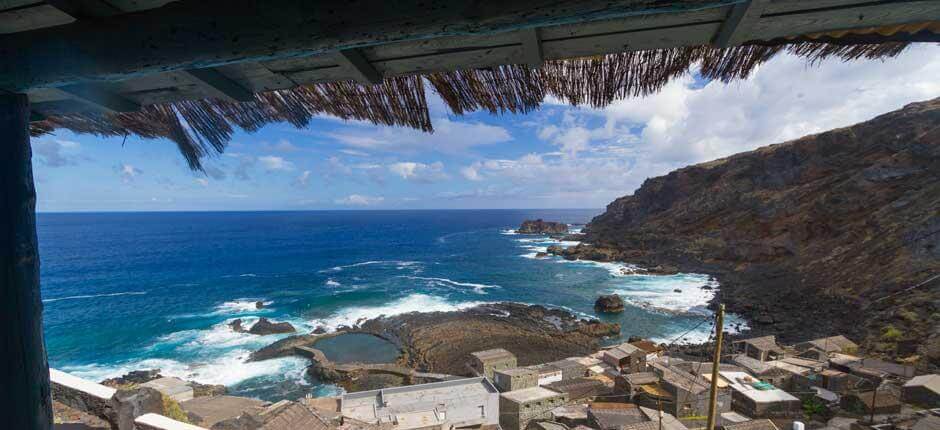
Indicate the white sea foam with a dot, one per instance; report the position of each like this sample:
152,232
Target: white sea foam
227,369
677,293
369,263
241,306
509,231
477,288
92,296
412,303
331,283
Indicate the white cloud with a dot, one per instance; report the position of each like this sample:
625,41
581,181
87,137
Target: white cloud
202,181
448,137
607,153
56,153
273,163
303,180
419,172
359,200
128,172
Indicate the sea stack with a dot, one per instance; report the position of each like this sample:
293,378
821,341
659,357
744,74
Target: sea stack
610,303
264,326
542,227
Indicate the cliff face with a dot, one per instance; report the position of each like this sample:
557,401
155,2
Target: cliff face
813,236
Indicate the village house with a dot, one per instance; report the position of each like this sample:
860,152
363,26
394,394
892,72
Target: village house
570,368
758,399
547,373
631,384
484,363
869,368
579,389
652,349
516,378
923,390
613,416
759,348
471,402
762,370
688,394
819,349
520,407
626,358
883,401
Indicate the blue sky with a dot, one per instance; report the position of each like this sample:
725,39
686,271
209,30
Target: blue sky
557,157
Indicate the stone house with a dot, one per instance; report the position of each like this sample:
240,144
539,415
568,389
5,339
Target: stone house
762,370
626,358
763,348
484,363
827,345
515,379
689,393
885,402
630,384
923,390
756,399
520,407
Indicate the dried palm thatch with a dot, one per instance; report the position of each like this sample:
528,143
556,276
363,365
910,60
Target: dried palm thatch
203,127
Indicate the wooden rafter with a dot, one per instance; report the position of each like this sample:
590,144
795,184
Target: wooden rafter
532,47
100,98
736,28
358,67
221,86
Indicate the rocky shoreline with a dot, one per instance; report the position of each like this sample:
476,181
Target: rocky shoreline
441,342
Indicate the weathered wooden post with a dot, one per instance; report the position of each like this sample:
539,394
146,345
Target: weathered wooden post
25,401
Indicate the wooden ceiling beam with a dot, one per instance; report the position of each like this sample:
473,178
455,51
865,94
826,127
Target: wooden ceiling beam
532,47
358,66
100,98
196,34
221,86
737,26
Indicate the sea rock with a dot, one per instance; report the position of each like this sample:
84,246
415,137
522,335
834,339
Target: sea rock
134,377
541,254
542,227
236,326
265,327
806,230
662,269
259,305
611,303
319,330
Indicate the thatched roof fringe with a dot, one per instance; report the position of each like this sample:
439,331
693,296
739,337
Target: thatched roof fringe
203,128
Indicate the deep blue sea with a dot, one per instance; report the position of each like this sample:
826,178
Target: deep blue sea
125,291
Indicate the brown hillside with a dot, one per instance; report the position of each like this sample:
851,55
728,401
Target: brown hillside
814,236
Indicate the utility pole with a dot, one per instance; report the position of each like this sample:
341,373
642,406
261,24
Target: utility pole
713,395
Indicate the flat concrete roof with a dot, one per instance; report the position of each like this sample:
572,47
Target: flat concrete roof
738,382
517,371
492,354
406,403
527,395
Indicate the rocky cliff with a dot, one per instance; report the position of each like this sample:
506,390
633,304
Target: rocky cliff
821,235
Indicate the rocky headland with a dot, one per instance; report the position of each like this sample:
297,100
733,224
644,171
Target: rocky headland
542,227
827,234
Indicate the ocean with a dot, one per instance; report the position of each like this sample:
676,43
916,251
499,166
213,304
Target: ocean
126,291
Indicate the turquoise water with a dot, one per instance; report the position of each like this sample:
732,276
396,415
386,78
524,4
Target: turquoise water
124,291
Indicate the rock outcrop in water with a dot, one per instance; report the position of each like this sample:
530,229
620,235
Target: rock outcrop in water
820,235
542,227
610,303
265,327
